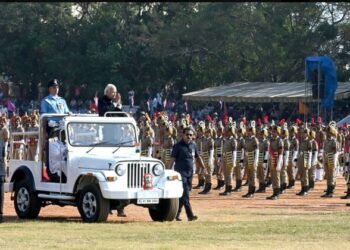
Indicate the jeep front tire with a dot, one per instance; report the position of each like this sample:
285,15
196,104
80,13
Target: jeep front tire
166,210
91,205
27,203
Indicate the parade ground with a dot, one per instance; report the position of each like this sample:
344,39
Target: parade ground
232,222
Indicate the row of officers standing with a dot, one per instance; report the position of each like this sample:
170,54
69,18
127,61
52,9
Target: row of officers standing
267,155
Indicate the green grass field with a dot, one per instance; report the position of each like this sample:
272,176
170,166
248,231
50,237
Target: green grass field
220,229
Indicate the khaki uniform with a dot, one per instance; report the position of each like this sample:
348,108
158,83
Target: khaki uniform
32,145
330,157
168,144
4,137
286,153
239,168
314,161
18,148
229,155
304,161
276,161
208,158
263,160
293,158
251,157
218,144
199,170
146,146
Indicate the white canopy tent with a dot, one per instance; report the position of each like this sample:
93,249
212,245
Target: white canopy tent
262,92
344,120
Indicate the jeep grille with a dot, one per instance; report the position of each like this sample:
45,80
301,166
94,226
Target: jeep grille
136,172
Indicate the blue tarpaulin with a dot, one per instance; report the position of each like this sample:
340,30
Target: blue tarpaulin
328,70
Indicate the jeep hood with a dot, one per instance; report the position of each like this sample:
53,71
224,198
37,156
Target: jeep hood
96,162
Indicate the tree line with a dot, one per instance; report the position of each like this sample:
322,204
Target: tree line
176,47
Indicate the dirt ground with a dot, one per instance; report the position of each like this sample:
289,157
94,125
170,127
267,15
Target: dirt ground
202,204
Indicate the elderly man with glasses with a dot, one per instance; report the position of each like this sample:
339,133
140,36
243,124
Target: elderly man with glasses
183,154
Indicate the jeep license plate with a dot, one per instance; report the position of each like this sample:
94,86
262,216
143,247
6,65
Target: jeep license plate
148,201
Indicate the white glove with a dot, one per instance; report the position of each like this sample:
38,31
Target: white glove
286,158
149,151
279,162
234,158
309,160
256,159
295,158
314,158
265,166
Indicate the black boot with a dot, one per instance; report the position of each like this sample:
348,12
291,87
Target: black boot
200,184
262,188
222,184
250,194
218,186
269,182
329,192
228,190
283,188
303,191
311,185
347,196
207,189
291,184
238,186
275,195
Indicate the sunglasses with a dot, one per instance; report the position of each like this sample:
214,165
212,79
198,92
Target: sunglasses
190,135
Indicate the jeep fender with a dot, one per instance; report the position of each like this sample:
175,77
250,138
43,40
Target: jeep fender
87,178
23,172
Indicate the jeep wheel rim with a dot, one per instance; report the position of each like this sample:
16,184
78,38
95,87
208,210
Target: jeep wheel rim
89,204
23,199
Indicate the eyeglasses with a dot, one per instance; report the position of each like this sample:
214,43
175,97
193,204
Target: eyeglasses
189,135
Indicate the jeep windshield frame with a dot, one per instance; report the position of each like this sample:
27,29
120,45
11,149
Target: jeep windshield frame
101,134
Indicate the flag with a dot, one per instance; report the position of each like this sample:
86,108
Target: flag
244,120
303,108
259,122
11,106
225,119
266,119
164,103
313,121
186,105
209,118
282,122
148,105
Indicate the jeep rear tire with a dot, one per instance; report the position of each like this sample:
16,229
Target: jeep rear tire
27,203
166,210
91,205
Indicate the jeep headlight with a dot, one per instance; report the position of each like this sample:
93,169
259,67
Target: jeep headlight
158,169
120,169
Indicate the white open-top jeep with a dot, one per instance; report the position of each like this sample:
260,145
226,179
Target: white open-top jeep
103,170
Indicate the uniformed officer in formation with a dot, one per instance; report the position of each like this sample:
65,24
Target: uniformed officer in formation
276,160
208,158
304,160
251,159
330,158
229,155
239,167
293,156
218,160
264,145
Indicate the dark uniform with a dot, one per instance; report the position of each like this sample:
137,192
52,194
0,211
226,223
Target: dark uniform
185,155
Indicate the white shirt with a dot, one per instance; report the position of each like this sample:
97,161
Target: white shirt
57,156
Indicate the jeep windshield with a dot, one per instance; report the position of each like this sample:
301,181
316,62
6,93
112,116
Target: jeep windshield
101,134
